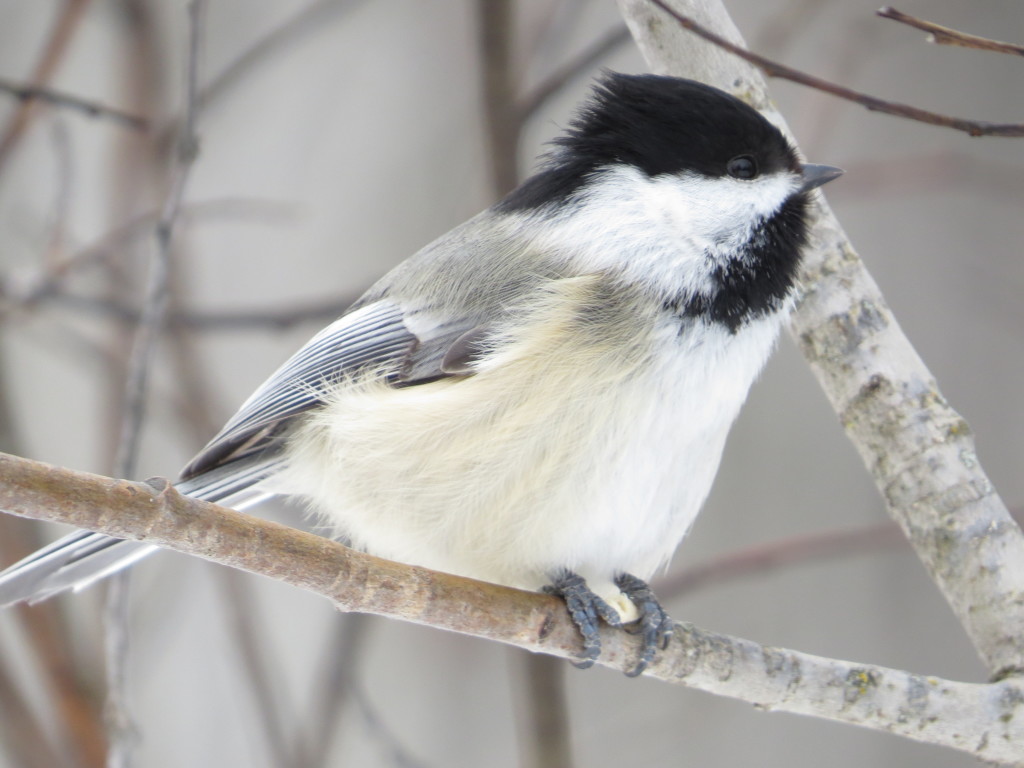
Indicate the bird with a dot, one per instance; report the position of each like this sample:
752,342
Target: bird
540,397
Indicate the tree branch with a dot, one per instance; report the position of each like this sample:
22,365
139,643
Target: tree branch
986,720
136,387
28,93
268,318
21,292
873,103
759,558
500,78
151,320
941,35
919,450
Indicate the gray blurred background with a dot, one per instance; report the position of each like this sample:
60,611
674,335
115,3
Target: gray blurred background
333,155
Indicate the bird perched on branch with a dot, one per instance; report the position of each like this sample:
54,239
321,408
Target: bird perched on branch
541,396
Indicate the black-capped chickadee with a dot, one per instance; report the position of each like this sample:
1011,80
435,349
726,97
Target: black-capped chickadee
540,397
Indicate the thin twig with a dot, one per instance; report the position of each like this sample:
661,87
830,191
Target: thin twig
22,294
873,103
941,35
792,550
825,545
29,93
197,320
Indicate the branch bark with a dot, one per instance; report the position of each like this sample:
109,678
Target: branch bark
941,35
986,720
918,449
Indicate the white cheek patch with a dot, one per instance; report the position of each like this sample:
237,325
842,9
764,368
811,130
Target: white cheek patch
722,210
660,230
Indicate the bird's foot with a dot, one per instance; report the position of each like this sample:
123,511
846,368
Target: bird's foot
585,608
654,624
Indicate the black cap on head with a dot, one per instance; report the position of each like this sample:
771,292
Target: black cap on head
660,125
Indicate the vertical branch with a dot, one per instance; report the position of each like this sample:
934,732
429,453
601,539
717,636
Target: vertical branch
918,449
155,303
544,711
139,171
136,385
121,733
501,114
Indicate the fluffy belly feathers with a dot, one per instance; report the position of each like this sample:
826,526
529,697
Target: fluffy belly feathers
581,442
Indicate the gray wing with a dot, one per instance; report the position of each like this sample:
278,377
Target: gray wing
373,336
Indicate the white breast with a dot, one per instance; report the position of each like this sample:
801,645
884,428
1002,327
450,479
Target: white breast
556,454
666,431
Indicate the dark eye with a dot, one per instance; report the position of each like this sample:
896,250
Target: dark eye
742,167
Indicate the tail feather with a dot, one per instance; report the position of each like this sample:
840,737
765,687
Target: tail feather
83,558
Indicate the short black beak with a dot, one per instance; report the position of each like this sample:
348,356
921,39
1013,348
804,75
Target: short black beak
816,175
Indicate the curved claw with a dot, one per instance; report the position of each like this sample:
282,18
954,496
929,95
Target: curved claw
585,608
655,624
